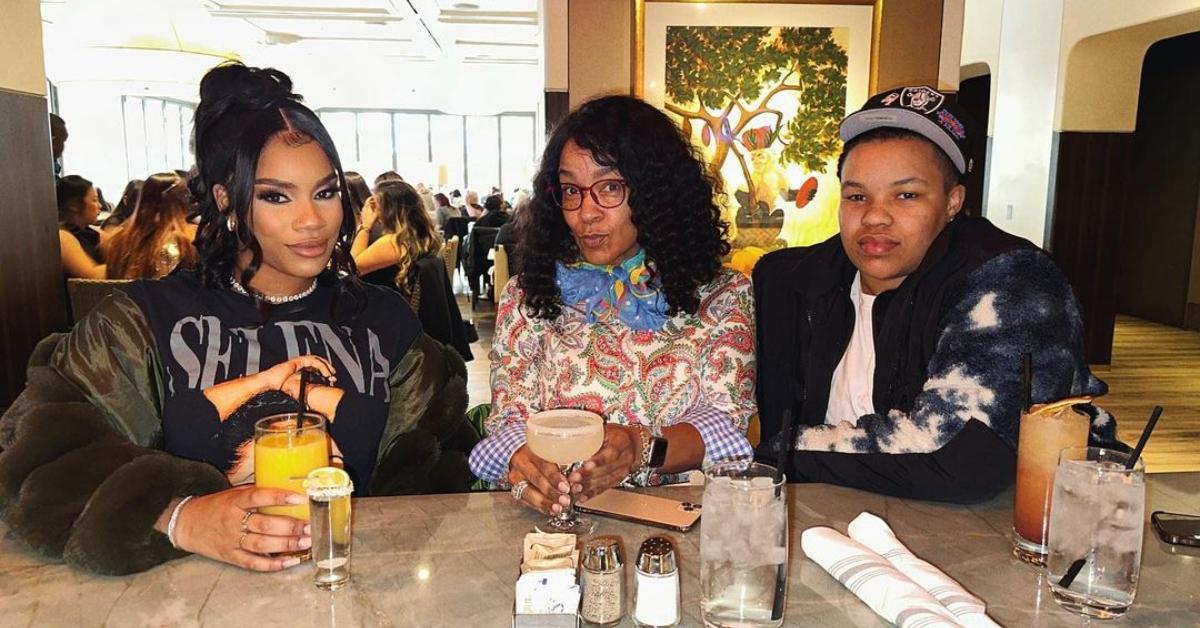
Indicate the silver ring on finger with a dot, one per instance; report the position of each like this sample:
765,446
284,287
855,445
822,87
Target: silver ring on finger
518,489
246,521
242,539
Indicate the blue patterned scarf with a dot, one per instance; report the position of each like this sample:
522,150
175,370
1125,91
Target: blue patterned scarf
627,292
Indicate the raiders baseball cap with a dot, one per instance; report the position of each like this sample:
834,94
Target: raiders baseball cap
922,110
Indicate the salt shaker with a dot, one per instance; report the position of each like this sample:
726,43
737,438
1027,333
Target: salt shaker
656,598
603,578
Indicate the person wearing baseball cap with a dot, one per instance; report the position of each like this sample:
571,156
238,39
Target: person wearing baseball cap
889,356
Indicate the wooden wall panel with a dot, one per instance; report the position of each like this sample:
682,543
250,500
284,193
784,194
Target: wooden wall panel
974,94
557,106
1091,193
32,298
1154,267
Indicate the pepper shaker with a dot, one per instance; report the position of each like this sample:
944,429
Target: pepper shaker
656,599
603,578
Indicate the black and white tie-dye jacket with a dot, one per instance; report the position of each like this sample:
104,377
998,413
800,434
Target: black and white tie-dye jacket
948,346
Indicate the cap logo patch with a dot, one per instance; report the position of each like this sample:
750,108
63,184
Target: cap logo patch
921,99
952,124
890,98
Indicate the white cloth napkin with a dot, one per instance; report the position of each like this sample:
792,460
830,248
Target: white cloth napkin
891,594
874,533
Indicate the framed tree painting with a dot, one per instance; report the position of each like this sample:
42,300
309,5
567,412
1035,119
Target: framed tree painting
760,89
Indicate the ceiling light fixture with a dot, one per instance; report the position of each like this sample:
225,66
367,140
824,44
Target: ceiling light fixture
465,6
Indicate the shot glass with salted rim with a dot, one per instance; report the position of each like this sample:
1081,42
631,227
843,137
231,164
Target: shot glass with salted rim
329,490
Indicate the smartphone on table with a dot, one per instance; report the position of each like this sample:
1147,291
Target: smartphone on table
1176,529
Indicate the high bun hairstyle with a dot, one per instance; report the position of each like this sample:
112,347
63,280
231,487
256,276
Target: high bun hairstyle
241,108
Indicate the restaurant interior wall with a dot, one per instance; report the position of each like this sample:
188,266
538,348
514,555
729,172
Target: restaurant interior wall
1098,110
1155,264
1099,57
32,296
554,18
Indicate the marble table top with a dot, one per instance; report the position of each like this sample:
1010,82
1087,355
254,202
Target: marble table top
451,560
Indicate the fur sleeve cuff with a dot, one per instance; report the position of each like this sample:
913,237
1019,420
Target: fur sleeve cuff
115,535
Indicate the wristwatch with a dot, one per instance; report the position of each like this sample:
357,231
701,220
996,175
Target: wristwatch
654,449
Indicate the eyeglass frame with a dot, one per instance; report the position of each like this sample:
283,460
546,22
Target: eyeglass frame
556,193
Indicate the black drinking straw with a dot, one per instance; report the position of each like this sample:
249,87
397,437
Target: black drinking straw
784,461
1077,566
785,455
1026,381
302,398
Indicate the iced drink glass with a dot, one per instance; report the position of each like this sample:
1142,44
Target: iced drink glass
285,452
1045,431
565,438
1097,516
329,490
743,546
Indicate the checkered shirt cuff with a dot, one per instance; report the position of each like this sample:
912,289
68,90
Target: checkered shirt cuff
489,459
723,440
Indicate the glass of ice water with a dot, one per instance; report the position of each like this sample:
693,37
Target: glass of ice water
1096,516
743,545
329,490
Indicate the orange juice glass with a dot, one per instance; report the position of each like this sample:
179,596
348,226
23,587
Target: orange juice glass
285,452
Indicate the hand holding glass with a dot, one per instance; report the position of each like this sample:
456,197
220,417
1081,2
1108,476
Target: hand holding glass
565,438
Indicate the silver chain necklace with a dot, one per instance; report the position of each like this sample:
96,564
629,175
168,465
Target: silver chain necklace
273,300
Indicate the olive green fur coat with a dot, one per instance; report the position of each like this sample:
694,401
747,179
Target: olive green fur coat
82,475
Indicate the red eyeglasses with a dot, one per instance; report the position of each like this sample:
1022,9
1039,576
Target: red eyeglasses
606,193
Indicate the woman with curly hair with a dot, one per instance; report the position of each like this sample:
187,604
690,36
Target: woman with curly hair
157,237
133,443
621,308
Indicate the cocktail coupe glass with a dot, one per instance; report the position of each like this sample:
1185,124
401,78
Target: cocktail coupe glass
565,438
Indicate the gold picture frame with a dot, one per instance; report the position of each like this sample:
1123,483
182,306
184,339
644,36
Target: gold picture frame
637,54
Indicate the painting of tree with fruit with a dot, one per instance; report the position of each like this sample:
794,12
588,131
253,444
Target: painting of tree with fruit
764,104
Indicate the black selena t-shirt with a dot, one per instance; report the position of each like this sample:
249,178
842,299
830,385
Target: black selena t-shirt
206,336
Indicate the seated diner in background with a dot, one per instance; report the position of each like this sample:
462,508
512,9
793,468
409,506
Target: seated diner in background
133,442
895,346
157,236
621,308
406,258
78,241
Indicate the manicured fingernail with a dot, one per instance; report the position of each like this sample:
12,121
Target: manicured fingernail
296,498
564,487
307,530
555,509
290,562
577,489
306,542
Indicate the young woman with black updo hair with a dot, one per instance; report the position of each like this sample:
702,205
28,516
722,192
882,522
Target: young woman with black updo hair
144,414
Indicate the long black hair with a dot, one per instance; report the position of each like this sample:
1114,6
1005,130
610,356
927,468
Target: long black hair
241,109
671,198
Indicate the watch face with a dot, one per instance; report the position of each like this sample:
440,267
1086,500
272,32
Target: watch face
658,452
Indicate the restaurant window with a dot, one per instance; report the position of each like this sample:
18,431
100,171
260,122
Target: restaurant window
445,150
157,132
